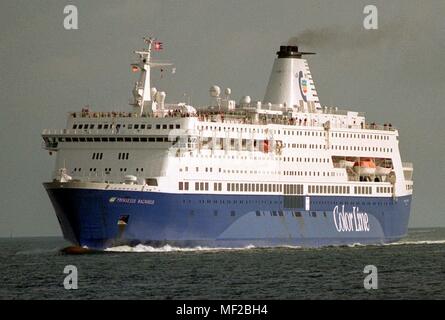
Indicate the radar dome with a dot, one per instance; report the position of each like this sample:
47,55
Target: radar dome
245,100
215,91
228,92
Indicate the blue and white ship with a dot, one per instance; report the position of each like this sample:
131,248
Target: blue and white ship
281,171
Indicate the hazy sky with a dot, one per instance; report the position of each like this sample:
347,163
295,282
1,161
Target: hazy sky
395,74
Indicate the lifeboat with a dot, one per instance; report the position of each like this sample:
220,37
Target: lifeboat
266,146
365,167
346,164
382,171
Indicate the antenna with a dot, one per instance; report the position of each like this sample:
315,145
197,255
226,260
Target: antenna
142,88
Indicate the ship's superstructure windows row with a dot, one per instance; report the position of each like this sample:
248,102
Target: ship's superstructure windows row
328,189
97,156
82,126
123,155
286,189
114,139
385,190
183,186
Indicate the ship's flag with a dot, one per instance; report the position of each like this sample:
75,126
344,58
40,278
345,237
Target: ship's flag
158,46
134,68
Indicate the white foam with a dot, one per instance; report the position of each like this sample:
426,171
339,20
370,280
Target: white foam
416,242
400,243
169,248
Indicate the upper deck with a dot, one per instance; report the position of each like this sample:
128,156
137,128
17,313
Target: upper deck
253,116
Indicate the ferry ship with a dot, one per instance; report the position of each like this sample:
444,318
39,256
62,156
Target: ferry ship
281,171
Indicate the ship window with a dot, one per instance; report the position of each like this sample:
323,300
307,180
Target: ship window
232,213
136,126
164,126
75,139
171,126
151,182
91,126
159,139
181,186
158,126
74,126
142,126
258,214
130,126
143,139
148,126
105,126
186,186
68,139
135,139
80,126
127,139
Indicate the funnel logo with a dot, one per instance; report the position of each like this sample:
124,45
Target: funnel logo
303,85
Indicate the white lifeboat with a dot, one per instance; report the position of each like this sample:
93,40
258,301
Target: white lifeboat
382,171
346,164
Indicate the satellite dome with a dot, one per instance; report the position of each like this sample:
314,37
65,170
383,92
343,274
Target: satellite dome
215,91
245,100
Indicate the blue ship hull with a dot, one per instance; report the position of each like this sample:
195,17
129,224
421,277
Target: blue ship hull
103,218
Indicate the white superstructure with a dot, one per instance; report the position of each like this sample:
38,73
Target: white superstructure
288,143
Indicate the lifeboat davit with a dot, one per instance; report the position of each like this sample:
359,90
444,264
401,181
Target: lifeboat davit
365,167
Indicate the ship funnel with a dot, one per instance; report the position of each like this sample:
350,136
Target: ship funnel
290,82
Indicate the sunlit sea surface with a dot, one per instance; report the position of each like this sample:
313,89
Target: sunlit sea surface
414,268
